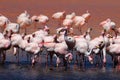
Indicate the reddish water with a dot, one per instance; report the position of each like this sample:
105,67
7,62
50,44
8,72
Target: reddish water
100,10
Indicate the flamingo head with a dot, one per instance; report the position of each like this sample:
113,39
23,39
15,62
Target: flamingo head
33,35
26,14
73,14
46,28
64,15
89,30
108,20
86,16
61,30
28,40
34,18
104,22
69,57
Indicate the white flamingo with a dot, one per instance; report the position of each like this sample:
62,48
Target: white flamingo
4,45
64,48
80,21
59,17
11,28
109,25
24,20
70,16
114,51
42,19
3,21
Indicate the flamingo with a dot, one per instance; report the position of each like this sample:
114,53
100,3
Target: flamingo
41,33
15,40
3,21
61,50
34,20
59,17
49,45
4,45
64,48
33,48
109,25
103,42
70,16
114,51
82,48
11,28
57,48
67,23
24,20
42,19
80,21
25,44
86,16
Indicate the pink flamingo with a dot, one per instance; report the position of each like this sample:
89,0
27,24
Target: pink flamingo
34,49
80,21
114,51
10,29
4,45
70,16
59,17
42,19
65,47
24,20
109,25
67,23
49,44
82,47
34,20
3,21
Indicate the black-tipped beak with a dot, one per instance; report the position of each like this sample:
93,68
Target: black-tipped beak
36,20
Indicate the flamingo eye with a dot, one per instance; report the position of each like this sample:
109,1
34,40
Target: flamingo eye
69,38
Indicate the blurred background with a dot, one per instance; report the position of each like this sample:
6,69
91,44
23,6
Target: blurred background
99,9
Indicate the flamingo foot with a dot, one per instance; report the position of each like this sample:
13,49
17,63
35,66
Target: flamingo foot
90,59
104,62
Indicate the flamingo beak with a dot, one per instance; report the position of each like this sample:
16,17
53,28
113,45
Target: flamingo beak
97,47
36,20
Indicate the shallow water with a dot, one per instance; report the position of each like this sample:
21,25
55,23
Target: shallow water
26,72
11,70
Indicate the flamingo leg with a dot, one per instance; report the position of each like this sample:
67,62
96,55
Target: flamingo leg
115,32
65,63
81,61
104,57
115,61
51,58
98,60
18,56
27,57
4,57
46,60
76,61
